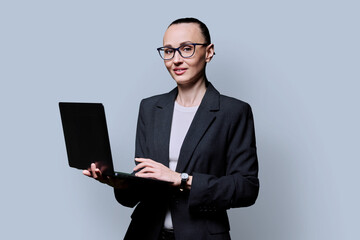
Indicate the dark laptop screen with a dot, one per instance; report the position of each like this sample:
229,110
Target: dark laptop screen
86,136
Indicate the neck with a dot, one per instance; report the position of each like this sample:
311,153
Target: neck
191,95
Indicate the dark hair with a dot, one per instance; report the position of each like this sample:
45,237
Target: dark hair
204,30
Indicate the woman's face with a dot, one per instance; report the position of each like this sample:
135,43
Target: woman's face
187,71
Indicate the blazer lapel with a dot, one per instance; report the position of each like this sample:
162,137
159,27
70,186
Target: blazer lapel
203,119
162,126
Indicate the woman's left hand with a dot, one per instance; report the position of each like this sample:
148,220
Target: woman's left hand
151,169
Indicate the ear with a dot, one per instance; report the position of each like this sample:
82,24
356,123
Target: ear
210,52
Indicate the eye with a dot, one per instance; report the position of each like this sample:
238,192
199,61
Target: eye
168,51
187,48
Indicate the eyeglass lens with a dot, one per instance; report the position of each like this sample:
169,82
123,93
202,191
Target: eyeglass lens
185,51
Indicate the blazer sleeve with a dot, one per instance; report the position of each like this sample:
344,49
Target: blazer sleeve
240,185
130,197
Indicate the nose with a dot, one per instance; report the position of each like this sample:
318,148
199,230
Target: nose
177,58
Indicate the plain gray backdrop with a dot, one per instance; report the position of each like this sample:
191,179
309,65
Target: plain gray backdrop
296,62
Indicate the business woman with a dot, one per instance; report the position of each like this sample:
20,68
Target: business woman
201,141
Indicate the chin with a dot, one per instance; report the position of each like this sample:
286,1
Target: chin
179,79
185,82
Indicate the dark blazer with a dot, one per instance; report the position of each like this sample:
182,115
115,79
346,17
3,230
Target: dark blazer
219,151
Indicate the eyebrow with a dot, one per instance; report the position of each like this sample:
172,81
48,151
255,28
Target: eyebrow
181,44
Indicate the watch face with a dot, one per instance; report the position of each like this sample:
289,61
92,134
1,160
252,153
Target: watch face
184,176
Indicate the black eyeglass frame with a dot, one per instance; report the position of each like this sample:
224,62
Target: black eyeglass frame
178,49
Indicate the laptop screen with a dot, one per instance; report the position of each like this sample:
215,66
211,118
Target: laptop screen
86,136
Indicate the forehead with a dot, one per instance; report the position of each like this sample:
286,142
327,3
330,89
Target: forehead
183,32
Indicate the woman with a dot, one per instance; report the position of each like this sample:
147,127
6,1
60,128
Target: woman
201,141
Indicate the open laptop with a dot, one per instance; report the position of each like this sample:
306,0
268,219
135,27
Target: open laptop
87,140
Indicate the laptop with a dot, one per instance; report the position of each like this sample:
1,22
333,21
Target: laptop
87,141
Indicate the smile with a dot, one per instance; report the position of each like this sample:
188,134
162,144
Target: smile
179,71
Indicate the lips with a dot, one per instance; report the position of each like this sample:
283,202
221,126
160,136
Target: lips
179,71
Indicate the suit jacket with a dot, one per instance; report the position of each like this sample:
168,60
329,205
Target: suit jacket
219,151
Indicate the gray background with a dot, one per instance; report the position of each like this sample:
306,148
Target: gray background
295,62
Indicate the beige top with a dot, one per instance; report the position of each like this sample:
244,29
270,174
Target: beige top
181,121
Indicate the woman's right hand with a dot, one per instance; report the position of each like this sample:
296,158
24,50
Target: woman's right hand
96,174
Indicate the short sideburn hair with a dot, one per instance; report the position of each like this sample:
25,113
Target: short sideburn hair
204,30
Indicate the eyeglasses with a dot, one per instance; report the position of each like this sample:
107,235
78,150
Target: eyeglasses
186,50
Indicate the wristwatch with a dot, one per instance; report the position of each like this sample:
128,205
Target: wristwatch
184,179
